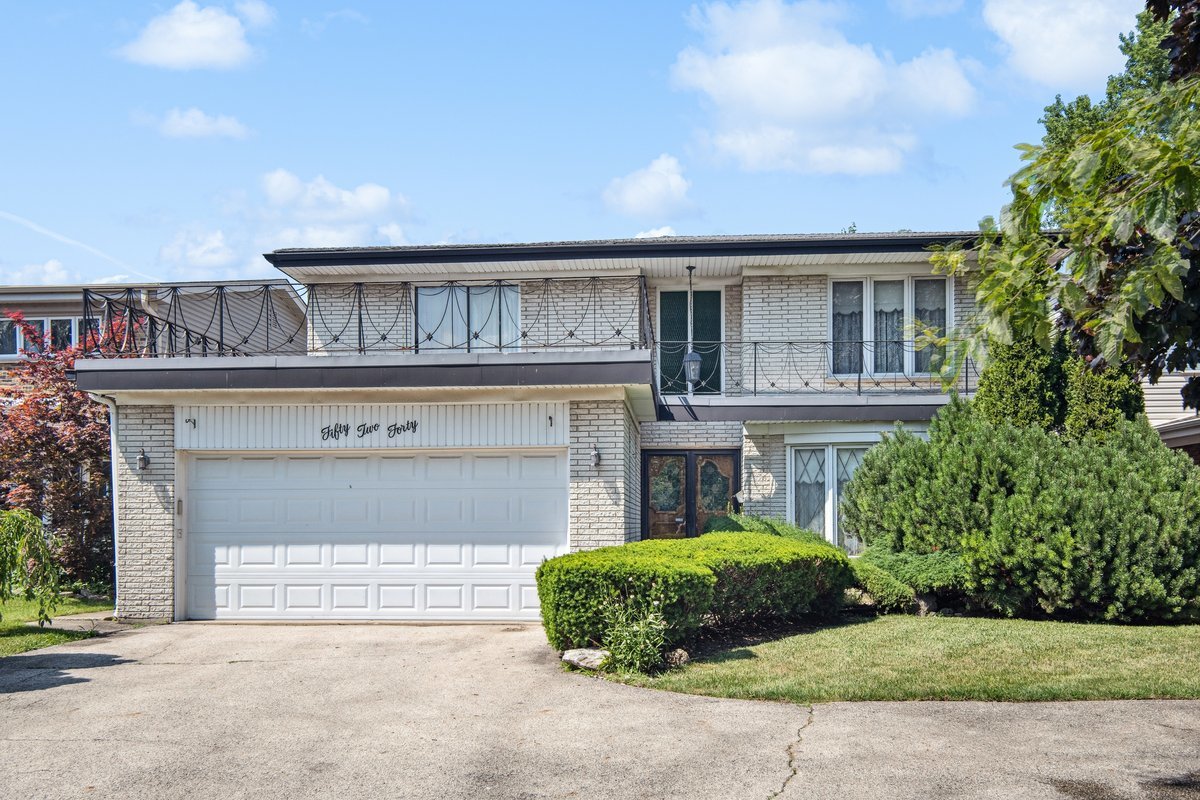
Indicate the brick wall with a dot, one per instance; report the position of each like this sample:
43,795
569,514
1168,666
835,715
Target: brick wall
784,309
334,318
691,434
764,475
733,333
146,525
605,500
563,314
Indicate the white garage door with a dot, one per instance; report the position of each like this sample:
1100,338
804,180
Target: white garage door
433,535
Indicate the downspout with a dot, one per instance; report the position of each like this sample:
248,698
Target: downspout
111,404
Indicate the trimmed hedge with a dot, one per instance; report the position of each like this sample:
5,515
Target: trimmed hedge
775,527
888,593
716,579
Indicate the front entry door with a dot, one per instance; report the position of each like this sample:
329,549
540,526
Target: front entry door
683,489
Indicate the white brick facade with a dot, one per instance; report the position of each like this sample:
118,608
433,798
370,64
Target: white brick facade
764,475
605,500
146,525
697,435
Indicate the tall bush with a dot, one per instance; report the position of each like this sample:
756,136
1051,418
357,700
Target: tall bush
1100,527
1096,400
1022,383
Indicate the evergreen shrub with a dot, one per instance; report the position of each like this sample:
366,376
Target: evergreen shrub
1100,527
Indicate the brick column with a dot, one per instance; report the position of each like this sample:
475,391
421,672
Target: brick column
605,499
146,523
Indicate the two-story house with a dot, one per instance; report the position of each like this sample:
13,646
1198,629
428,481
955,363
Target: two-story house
443,418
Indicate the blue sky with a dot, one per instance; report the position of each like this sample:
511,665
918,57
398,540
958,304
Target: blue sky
179,141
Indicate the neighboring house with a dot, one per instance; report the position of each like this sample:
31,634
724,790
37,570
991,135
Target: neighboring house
63,316
457,414
1179,427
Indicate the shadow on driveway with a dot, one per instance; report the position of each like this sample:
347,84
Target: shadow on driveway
33,671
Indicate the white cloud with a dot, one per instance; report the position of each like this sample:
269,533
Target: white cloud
321,200
393,233
788,90
49,273
653,191
1063,44
193,37
924,8
255,13
192,123
656,233
192,248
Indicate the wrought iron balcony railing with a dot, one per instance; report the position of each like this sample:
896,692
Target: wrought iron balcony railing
806,367
280,318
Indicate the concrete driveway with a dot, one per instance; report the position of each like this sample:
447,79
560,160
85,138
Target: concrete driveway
362,711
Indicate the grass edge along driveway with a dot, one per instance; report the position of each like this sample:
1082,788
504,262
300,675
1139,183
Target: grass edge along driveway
950,658
17,637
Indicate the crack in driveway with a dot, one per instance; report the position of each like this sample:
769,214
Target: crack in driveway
793,769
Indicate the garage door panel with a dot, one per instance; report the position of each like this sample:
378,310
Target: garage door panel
418,536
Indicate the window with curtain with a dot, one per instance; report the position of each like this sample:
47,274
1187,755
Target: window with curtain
30,343
848,459
820,476
888,303
888,330
847,333
808,492
929,309
472,318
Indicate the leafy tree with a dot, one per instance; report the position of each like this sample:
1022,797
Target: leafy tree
1128,194
27,566
54,459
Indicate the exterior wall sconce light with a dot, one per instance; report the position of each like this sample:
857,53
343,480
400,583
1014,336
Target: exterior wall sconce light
595,456
143,460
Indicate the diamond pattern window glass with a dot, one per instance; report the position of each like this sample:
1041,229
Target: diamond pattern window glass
808,472
848,460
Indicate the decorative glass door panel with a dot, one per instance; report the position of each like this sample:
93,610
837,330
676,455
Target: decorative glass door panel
683,490
666,497
715,476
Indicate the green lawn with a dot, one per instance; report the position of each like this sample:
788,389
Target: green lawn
951,658
17,637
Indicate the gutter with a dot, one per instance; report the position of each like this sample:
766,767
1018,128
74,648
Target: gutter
111,404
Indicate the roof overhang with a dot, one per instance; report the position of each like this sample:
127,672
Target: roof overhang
198,379
803,408
1180,432
663,257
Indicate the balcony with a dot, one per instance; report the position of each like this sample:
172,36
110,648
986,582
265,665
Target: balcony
283,319
779,368
449,331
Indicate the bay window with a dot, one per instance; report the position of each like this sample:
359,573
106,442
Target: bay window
881,342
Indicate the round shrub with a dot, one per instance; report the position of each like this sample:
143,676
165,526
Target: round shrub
1022,384
775,527
1099,527
714,579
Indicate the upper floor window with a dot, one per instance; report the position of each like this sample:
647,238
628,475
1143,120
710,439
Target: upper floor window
871,323
472,318
58,333
683,327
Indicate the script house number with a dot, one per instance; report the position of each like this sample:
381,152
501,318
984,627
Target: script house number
341,430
